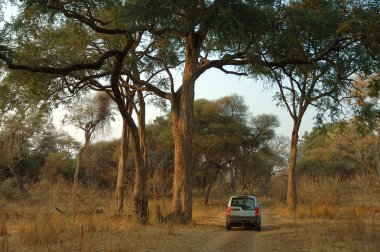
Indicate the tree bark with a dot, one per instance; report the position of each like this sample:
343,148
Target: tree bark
123,155
142,131
292,189
140,196
378,152
182,130
182,188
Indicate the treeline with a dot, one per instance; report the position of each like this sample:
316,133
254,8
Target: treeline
230,145
343,149
310,51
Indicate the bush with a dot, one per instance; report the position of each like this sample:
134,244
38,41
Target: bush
58,165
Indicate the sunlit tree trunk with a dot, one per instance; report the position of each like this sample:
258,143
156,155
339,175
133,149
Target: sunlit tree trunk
292,189
142,131
182,130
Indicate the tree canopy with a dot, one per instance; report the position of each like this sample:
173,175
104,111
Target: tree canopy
137,46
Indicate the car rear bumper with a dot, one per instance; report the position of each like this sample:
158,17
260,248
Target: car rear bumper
240,220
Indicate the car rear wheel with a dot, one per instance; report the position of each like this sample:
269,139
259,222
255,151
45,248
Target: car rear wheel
258,227
228,226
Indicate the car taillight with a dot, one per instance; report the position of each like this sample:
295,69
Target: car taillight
257,211
228,210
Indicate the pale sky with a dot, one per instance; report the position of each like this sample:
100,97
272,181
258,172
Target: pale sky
215,84
212,85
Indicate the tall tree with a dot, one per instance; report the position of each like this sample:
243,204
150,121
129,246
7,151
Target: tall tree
327,30
364,99
25,119
220,130
189,36
89,114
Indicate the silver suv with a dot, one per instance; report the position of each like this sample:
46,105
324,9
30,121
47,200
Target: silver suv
243,210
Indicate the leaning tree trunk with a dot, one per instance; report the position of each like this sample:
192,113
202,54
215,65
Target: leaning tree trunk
140,196
292,189
211,183
123,155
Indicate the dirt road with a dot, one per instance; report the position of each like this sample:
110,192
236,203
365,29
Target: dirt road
210,235
207,233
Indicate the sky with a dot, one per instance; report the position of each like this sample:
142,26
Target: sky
212,85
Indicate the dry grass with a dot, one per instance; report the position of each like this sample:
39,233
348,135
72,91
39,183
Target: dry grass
3,225
336,215
332,216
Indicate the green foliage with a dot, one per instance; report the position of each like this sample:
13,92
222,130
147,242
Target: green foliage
324,39
102,169
226,137
58,164
320,153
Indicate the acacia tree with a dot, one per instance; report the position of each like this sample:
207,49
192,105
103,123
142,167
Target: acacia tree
89,114
25,112
202,27
80,35
221,129
189,36
358,145
311,26
364,99
195,37
17,131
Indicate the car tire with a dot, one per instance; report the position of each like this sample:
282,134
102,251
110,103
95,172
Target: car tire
258,227
228,226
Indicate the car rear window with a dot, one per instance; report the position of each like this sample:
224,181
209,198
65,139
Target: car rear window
244,203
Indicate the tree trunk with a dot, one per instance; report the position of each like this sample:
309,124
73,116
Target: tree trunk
292,189
182,135
142,131
210,184
182,130
378,151
123,155
140,196
77,169
84,151
20,183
